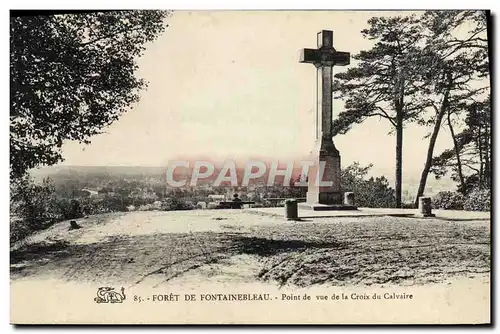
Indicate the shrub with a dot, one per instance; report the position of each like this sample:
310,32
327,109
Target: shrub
478,199
92,205
64,208
173,204
31,207
115,203
372,192
448,200
19,229
32,201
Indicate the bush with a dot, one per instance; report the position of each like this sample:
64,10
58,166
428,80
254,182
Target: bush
478,199
448,200
31,207
173,204
64,208
92,205
32,201
19,229
372,192
115,203
37,205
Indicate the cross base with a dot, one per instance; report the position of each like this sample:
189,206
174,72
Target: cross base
327,207
325,153
324,198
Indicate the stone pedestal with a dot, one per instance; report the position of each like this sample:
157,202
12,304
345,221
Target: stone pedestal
349,198
326,169
291,212
425,207
324,192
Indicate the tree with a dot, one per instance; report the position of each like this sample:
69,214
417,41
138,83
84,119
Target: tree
454,79
471,152
385,81
72,75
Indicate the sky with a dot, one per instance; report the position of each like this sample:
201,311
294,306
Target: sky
229,85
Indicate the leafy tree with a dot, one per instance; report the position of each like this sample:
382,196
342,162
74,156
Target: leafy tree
471,152
455,77
385,81
71,76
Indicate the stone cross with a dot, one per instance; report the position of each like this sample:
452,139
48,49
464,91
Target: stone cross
325,153
324,58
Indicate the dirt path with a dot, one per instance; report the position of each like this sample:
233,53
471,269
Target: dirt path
232,246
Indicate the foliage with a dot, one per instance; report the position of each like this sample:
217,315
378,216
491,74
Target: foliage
142,197
19,230
31,207
172,204
32,201
472,147
448,200
37,205
444,24
103,204
384,77
455,81
384,81
422,68
478,200
66,208
71,76
372,192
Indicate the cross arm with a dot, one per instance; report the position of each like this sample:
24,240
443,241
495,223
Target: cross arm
325,57
341,58
310,56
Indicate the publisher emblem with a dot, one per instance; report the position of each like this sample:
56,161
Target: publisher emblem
107,294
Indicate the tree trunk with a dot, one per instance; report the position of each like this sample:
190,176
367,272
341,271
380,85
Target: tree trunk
457,154
430,150
399,158
481,163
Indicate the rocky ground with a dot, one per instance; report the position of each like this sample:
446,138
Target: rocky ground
226,246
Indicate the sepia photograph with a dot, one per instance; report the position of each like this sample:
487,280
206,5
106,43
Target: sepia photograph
250,167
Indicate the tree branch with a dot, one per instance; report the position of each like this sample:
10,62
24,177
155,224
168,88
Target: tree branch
386,115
